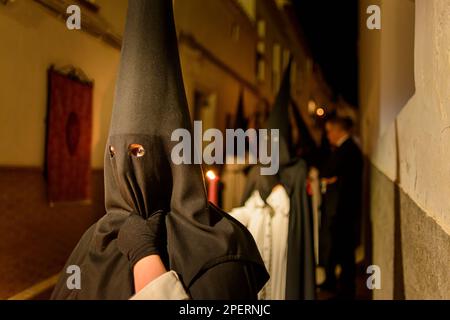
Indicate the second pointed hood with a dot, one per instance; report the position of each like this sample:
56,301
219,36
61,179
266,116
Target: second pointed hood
240,122
279,117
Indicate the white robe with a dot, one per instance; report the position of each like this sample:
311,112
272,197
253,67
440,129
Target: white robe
268,223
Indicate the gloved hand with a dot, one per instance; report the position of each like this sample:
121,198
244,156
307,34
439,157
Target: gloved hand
139,238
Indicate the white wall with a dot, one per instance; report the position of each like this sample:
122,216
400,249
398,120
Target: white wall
424,140
408,88
424,122
397,59
114,12
30,43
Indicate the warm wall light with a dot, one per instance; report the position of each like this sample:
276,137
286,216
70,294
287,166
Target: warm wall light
312,106
320,112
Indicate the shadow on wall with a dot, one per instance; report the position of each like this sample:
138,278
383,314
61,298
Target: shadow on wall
399,281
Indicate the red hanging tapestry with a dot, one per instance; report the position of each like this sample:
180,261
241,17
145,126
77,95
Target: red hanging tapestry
69,131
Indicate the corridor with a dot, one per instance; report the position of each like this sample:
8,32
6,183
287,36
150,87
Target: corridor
353,95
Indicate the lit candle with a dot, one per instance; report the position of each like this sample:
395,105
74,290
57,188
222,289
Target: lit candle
213,186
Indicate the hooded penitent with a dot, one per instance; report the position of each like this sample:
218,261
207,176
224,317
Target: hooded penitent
279,120
234,174
305,147
214,255
292,175
240,122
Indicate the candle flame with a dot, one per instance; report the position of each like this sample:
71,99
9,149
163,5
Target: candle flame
211,175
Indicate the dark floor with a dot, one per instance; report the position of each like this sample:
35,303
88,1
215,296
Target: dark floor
362,293
35,238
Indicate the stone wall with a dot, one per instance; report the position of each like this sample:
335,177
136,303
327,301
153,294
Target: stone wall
406,139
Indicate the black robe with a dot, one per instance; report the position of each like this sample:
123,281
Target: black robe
232,271
213,254
341,205
301,265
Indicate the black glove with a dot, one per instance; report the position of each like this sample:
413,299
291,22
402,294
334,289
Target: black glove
139,238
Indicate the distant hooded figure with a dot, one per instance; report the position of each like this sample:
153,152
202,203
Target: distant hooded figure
214,256
234,171
276,210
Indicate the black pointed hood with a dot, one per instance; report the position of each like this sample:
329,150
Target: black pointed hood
279,117
240,121
306,146
149,105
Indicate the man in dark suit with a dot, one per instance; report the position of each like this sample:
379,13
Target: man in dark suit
341,184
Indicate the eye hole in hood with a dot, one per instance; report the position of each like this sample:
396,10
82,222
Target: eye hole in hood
136,150
112,151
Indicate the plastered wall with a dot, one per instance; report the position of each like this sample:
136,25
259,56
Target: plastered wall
405,136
